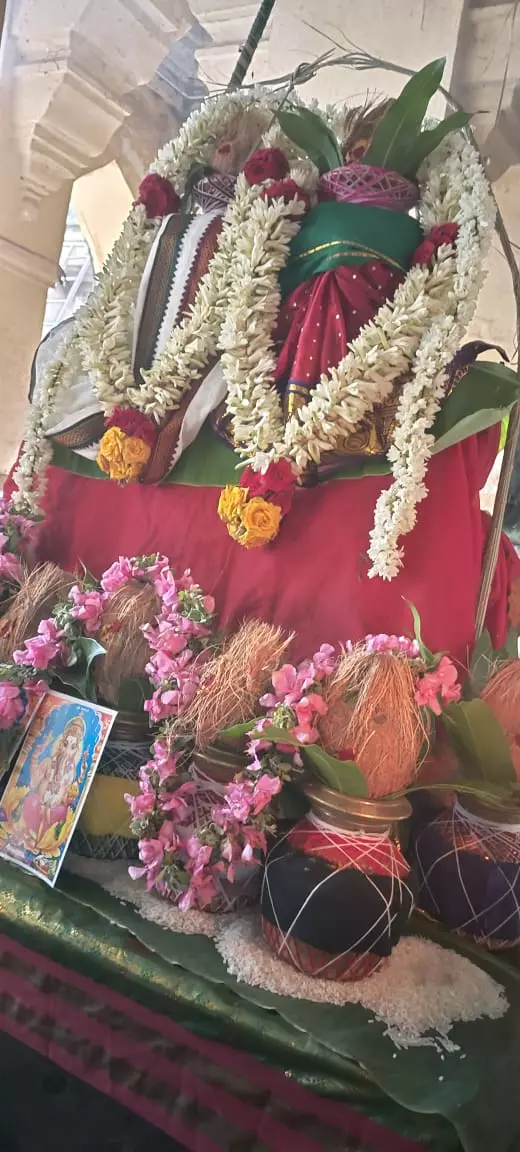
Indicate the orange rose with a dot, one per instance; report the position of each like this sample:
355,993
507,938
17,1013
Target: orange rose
260,521
231,502
122,457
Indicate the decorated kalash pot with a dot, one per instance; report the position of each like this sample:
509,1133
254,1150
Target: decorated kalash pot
267,384
468,855
468,866
338,890
337,893
197,845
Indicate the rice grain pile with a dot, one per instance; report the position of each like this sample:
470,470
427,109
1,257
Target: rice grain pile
112,875
419,993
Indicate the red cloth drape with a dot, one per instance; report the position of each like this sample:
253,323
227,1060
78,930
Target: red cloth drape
313,578
321,316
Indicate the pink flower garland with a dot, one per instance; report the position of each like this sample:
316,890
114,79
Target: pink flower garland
17,535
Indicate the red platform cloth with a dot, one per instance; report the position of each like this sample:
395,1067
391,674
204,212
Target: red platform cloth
313,578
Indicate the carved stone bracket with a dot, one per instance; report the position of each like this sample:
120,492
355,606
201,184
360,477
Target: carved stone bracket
74,68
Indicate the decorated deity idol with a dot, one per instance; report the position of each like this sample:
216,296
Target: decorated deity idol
268,385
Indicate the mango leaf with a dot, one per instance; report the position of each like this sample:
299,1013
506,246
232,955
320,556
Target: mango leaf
236,731
291,803
78,675
430,138
396,133
482,398
427,656
313,136
278,736
482,662
342,775
479,741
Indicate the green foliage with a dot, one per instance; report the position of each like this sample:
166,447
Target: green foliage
78,673
342,775
482,398
480,742
313,136
398,143
133,693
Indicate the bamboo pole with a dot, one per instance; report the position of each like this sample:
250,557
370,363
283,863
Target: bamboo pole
248,49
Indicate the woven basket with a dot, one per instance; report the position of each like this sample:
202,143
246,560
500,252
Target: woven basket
214,192
365,184
103,831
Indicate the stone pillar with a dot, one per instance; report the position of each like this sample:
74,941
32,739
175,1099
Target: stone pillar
69,74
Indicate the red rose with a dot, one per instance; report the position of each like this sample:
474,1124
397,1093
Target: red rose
276,485
288,190
158,196
266,164
133,423
440,234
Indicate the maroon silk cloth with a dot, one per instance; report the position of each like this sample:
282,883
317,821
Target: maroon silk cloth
321,316
313,578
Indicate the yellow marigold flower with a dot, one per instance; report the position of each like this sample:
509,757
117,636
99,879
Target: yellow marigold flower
231,502
260,521
122,457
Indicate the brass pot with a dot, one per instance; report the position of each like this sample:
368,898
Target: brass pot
354,814
132,728
219,764
499,813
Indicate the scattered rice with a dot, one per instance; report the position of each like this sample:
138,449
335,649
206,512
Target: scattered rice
112,875
421,989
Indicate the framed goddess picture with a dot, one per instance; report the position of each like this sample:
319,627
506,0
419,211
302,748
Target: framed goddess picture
50,781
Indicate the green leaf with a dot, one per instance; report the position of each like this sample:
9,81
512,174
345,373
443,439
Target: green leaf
291,803
313,136
133,693
342,775
482,398
482,662
78,675
236,731
427,656
397,132
430,138
278,736
480,741
480,788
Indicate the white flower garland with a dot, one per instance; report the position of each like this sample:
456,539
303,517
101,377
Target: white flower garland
423,322
463,197
193,342
235,311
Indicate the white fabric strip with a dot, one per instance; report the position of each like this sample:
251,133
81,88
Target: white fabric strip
210,394
186,258
143,287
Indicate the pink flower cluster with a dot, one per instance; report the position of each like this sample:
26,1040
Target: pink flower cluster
87,607
439,687
178,642
44,649
398,644
17,534
12,706
294,697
